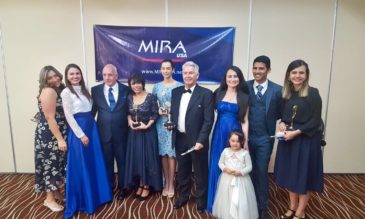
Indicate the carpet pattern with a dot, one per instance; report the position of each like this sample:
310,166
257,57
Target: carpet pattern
343,198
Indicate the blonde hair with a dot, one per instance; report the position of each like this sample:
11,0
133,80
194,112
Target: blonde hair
43,77
288,85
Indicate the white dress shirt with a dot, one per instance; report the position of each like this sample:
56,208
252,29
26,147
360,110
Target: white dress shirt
114,92
184,102
72,105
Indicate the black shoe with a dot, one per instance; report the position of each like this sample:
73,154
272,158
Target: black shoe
142,198
292,213
200,209
262,214
178,204
122,195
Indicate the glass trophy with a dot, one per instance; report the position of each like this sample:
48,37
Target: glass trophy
294,113
167,109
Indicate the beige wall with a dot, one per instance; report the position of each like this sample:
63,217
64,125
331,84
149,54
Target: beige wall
40,32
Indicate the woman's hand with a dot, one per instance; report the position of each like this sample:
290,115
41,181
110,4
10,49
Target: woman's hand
290,135
142,126
85,140
62,145
162,111
282,127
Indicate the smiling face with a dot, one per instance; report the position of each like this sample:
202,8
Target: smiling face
53,80
260,72
166,70
234,142
298,76
190,77
74,76
232,79
110,75
136,87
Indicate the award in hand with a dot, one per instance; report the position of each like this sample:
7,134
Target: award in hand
167,109
294,113
135,110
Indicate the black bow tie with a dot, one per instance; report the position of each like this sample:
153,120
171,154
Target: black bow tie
187,91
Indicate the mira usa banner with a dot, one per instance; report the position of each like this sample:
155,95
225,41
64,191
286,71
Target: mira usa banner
141,50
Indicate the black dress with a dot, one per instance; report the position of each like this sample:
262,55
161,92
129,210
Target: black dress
142,157
299,163
49,161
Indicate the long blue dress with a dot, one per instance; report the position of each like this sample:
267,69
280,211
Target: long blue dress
227,121
87,182
142,159
163,94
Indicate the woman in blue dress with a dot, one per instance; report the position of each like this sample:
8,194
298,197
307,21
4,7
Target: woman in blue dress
87,182
231,102
298,163
162,91
143,166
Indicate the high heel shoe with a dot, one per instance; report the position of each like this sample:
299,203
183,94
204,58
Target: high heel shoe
138,194
297,217
164,192
53,206
142,198
292,214
171,194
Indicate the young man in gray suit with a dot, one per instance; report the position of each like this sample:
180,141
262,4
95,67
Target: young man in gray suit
111,106
265,101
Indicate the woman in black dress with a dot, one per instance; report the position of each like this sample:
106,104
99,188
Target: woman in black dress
50,135
299,164
143,166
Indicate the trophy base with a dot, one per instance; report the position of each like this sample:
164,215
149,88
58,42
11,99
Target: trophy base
135,125
169,124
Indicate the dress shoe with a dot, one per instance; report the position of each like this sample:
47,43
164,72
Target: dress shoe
121,195
200,209
178,204
262,214
53,206
290,216
142,198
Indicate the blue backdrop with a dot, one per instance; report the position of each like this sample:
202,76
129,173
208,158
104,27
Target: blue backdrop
141,49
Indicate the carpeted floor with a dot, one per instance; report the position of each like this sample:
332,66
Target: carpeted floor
343,198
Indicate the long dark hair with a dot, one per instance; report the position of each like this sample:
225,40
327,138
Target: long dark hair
84,90
242,92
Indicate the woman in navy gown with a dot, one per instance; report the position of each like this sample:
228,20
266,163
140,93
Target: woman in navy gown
231,102
298,163
143,165
87,182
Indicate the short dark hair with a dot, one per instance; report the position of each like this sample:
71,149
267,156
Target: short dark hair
170,61
136,78
264,59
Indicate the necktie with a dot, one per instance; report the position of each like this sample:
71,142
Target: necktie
259,91
187,91
111,99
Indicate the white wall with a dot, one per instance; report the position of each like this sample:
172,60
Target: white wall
40,32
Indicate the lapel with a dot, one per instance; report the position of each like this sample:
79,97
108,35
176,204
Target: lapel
176,100
194,97
121,95
101,96
269,92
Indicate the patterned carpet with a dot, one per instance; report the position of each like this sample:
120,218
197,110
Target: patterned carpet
343,198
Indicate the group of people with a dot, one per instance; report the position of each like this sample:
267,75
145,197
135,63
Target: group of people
149,134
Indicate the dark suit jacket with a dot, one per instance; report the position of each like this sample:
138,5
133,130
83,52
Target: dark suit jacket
111,124
273,104
199,115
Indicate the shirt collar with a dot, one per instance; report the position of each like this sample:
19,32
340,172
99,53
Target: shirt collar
264,85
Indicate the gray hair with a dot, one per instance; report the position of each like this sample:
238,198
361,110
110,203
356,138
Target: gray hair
192,64
113,67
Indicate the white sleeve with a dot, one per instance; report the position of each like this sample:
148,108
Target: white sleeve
67,108
222,160
248,167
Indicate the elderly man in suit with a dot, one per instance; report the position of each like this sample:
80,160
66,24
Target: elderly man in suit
111,106
192,110
264,102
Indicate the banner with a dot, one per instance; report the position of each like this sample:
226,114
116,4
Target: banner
141,50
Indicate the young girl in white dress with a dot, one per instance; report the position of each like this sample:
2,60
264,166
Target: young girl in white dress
235,197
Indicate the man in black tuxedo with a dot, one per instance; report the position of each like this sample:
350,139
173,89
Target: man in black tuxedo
111,106
193,111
